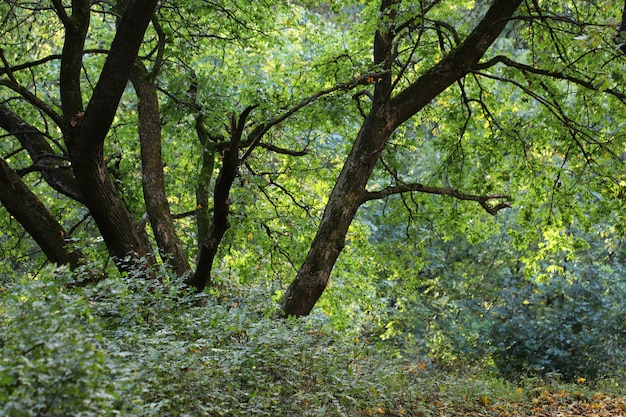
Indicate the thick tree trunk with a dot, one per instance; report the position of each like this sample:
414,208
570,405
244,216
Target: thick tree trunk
85,132
345,199
386,115
26,208
114,220
157,206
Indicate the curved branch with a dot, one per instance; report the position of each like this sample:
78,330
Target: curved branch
221,203
258,133
42,154
35,101
283,151
161,40
403,188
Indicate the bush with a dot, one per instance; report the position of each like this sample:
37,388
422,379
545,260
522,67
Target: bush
52,360
132,347
570,329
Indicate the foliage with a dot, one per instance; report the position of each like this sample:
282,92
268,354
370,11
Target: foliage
480,299
425,284
53,362
136,348
133,347
569,327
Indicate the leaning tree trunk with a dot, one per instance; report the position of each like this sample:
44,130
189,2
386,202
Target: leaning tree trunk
386,115
346,197
40,224
53,167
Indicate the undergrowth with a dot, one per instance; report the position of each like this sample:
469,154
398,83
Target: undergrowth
132,347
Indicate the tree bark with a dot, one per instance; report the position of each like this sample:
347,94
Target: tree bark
221,203
85,132
203,181
53,167
157,206
26,208
386,115
620,38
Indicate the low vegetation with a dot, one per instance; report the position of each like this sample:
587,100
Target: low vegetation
132,347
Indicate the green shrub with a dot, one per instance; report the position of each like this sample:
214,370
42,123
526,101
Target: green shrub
52,362
570,329
134,347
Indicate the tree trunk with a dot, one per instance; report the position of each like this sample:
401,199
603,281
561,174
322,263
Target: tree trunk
26,208
157,206
345,199
85,132
203,181
386,115
221,202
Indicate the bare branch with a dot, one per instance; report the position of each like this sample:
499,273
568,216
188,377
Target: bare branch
403,188
283,151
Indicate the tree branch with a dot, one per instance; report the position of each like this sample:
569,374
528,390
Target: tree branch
116,71
620,38
455,65
36,219
403,188
552,74
283,151
42,154
60,10
31,64
76,28
258,133
161,40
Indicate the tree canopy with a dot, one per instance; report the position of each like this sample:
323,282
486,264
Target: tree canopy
264,138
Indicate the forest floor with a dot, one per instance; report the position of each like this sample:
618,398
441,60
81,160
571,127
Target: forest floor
553,404
539,403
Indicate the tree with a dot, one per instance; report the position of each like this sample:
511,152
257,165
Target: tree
84,128
213,101
388,111
85,174
392,105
